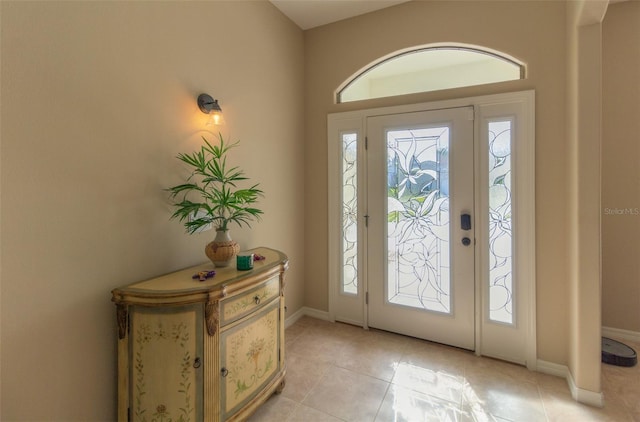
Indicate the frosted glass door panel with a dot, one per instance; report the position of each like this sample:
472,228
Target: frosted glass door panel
500,222
349,283
418,218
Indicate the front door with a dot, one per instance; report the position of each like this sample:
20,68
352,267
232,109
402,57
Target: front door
420,203
431,211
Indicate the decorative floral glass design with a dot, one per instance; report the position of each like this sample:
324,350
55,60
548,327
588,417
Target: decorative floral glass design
500,223
418,218
349,213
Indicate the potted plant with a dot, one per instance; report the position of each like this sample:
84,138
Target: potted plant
211,196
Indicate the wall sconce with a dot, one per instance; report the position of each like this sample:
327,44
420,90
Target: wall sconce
210,106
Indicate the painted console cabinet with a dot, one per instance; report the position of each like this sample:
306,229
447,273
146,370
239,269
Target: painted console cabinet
191,350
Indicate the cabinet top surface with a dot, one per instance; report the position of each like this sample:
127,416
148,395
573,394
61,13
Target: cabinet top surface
182,281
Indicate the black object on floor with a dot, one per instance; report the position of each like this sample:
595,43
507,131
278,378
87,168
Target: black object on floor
616,353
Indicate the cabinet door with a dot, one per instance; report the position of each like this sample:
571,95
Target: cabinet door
249,357
166,363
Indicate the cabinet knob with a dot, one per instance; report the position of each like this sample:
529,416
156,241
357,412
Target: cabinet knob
257,300
224,372
197,363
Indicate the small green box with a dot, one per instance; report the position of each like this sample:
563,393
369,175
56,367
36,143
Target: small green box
244,262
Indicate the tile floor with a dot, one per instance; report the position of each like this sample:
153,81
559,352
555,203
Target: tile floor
337,372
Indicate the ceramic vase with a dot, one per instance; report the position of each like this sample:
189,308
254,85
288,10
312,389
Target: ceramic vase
223,250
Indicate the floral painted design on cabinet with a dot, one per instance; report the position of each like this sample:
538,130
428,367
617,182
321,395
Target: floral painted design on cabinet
250,357
163,355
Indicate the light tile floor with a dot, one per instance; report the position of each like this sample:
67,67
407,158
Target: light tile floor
337,372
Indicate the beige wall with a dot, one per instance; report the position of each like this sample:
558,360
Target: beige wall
531,31
97,99
620,167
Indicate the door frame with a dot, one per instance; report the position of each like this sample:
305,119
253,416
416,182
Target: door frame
485,107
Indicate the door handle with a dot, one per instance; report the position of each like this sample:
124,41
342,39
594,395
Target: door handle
465,221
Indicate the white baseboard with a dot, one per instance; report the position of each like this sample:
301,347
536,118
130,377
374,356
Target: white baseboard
290,320
584,396
580,395
619,334
551,368
305,311
315,313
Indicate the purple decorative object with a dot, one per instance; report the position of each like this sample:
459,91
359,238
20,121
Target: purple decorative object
257,257
203,275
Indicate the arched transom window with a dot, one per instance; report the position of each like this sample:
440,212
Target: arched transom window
430,68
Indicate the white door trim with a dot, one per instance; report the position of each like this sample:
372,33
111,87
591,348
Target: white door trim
524,247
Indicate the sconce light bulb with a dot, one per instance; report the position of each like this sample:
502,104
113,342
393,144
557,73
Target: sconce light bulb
216,119
209,106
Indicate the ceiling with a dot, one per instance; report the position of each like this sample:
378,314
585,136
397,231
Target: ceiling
311,13
308,14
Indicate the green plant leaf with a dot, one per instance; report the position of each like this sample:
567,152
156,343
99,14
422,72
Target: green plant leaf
212,189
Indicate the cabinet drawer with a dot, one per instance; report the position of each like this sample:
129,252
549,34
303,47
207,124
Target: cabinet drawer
236,307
